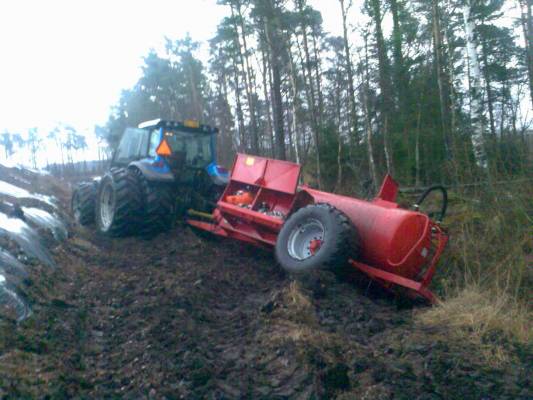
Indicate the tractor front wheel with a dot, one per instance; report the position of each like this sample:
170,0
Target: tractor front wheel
316,236
118,204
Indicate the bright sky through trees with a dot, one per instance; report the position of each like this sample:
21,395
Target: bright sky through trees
68,60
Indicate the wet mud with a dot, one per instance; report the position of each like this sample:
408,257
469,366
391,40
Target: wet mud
183,317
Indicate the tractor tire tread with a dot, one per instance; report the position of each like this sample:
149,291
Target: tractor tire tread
86,192
347,243
158,210
127,215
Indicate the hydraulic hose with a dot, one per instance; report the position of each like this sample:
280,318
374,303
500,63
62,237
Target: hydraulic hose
444,194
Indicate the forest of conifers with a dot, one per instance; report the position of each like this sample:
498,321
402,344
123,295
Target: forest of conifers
429,90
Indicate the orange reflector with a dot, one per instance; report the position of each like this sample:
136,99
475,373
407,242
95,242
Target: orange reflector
164,149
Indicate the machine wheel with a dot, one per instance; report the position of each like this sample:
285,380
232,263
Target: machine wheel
159,210
316,236
83,202
118,205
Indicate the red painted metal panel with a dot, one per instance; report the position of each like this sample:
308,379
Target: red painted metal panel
388,190
281,176
248,169
270,182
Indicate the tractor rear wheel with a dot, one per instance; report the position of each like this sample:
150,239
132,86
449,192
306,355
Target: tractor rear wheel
118,205
315,236
159,210
83,202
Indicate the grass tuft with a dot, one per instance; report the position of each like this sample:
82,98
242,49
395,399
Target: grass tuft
491,322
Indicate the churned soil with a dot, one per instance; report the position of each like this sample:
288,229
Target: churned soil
179,316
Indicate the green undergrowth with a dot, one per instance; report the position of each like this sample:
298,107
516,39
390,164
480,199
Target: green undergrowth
485,277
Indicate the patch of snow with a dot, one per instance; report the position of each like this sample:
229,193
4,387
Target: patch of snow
9,163
26,237
11,265
11,303
35,171
20,193
46,220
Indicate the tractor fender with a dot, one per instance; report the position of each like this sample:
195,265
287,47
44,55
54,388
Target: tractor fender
218,178
152,174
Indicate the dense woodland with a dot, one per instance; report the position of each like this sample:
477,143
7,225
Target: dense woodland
427,90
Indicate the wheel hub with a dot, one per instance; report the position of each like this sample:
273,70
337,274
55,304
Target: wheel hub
306,239
107,206
314,245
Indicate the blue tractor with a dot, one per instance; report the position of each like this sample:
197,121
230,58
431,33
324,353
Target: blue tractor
158,171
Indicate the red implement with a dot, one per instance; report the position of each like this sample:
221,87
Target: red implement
396,246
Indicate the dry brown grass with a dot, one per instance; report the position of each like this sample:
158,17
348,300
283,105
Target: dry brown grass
487,319
479,313
297,299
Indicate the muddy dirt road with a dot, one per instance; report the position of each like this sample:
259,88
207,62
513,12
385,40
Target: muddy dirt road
182,317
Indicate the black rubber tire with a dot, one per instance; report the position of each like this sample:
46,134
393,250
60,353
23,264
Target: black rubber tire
340,241
83,202
158,206
127,204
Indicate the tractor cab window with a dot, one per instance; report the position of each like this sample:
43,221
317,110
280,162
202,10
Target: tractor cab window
132,146
194,147
155,140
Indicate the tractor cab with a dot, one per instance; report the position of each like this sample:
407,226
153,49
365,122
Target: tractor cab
171,151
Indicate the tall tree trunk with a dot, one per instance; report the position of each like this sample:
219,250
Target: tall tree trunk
349,72
451,85
318,80
265,73
310,94
337,103
240,116
316,117
227,146
399,67
488,89
442,79
502,110
527,28
384,83
368,123
197,106
308,69
295,101
477,136
247,76
275,62
417,146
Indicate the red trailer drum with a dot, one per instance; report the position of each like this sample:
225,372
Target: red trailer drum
391,238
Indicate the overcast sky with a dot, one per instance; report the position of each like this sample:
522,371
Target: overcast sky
67,60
